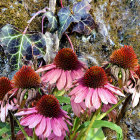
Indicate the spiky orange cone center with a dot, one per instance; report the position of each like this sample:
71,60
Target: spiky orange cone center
66,59
48,106
124,57
5,86
26,77
95,77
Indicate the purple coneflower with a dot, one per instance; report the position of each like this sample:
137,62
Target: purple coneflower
6,89
46,117
26,81
123,62
93,88
65,68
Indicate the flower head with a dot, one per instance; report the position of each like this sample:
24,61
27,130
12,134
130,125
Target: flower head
93,88
46,117
65,68
124,57
27,81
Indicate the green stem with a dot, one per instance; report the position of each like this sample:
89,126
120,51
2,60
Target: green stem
106,113
91,123
12,125
22,129
75,131
123,109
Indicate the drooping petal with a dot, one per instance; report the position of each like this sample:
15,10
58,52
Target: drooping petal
63,124
3,113
110,96
55,77
26,120
45,68
32,110
102,96
76,89
81,96
135,99
69,79
39,129
114,89
88,100
61,81
56,127
36,122
48,129
48,76
95,99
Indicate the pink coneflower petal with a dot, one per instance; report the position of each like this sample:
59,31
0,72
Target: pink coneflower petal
56,75
135,99
110,97
77,107
80,97
56,127
45,68
36,122
95,99
102,96
114,89
48,128
25,121
76,89
69,78
88,101
63,124
39,129
62,81
32,110
3,113
48,76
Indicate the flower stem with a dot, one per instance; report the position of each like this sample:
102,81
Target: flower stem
36,14
123,109
12,126
106,113
91,123
42,23
70,42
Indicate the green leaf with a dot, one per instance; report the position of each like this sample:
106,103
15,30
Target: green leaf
63,99
4,129
76,123
18,45
66,107
52,25
101,123
96,134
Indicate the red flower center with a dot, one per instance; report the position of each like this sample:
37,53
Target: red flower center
95,77
48,106
138,71
26,77
5,86
66,59
124,57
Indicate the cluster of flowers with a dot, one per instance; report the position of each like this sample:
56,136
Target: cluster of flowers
87,87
